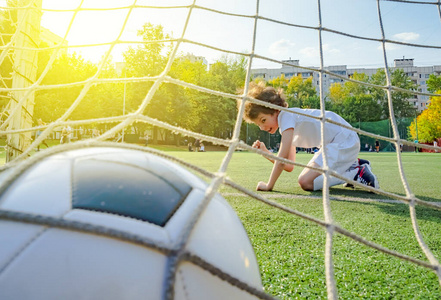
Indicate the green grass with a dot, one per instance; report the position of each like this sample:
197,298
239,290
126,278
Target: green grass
290,250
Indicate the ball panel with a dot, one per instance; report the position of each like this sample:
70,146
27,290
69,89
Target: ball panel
111,221
181,217
220,239
150,162
70,265
48,183
126,190
195,283
14,236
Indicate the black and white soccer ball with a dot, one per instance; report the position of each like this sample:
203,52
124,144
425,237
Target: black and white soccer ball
122,190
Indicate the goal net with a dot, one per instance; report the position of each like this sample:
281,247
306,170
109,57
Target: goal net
147,95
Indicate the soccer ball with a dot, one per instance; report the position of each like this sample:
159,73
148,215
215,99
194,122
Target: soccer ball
122,190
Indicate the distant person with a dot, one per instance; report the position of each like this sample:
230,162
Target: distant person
190,147
66,134
80,133
201,147
95,133
435,144
416,145
197,144
377,146
366,147
40,123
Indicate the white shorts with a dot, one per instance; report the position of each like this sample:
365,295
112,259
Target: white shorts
341,153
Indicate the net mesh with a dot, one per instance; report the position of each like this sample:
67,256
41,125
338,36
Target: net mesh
118,123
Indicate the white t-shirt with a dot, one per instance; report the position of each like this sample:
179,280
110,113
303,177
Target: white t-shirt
307,132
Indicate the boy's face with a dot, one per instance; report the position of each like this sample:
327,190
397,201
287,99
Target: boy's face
267,122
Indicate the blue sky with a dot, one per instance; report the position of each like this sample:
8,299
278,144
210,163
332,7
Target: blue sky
405,22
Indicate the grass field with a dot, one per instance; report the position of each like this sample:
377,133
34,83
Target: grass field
290,250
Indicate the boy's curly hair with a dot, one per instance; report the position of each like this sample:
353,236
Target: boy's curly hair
264,93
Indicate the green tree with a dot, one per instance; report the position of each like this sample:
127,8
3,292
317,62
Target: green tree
51,104
400,100
147,60
353,102
360,108
194,110
434,83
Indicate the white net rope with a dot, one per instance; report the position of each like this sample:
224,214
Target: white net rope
177,254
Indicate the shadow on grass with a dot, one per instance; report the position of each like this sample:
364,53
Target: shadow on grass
399,209
366,198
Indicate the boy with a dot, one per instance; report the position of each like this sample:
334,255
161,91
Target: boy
342,145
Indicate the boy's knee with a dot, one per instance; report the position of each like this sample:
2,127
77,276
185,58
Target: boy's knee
305,184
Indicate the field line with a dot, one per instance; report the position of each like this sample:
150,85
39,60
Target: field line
335,198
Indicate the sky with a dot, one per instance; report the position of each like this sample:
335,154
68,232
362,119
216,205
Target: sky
404,22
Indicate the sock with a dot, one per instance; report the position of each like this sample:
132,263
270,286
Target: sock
349,174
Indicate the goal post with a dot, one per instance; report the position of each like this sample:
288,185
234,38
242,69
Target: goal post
26,37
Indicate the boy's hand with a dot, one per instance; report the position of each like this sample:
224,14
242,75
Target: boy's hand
262,186
260,145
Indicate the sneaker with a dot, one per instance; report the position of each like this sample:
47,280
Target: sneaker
365,176
360,163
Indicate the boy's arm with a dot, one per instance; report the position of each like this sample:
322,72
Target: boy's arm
292,154
288,151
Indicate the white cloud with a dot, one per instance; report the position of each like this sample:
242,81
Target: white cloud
329,50
314,52
406,36
389,47
281,47
309,52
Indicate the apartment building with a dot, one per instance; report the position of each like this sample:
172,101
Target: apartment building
418,75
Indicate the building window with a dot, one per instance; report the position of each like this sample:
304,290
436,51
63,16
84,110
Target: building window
339,72
426,76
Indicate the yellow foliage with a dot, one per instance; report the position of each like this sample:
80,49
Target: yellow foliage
428,124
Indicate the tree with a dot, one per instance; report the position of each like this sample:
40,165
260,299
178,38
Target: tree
353,102
279,82
433,83
299,87
337,93
194,110
51,104
428,122
360,108
400,100
147,60
354,88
